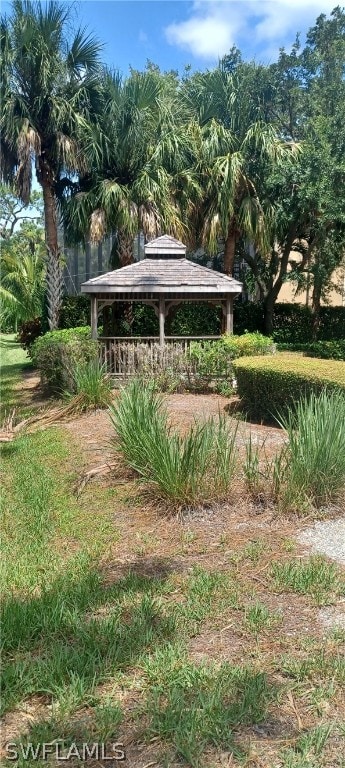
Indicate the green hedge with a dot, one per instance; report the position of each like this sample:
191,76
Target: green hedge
56,353
214,358
293,323
329,350
74,312
268,385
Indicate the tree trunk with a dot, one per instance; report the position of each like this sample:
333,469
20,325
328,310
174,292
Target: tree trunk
273,292
125,248
54,272
126,258
316,306
269,305
229,251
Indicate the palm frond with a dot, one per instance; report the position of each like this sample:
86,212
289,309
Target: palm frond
97,225
83,53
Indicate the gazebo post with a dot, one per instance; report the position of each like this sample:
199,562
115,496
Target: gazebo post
229,315
94,317
161,320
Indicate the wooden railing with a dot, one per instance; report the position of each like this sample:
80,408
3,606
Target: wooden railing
133,355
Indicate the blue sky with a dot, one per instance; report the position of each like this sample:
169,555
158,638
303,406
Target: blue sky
173,34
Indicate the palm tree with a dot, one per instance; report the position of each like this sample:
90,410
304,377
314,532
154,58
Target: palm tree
22,284
233,148
137,152
49,90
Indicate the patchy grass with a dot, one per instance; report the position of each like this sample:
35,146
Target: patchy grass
194,641
258,618
13,361
43,526
195,706
315,577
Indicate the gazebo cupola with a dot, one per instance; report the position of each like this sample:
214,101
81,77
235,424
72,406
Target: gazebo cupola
163,279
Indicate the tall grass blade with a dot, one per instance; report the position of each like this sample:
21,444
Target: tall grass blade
316,433
186,469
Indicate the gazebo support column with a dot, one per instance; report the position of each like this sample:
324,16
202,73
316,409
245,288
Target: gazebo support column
161,321
229,315
94,317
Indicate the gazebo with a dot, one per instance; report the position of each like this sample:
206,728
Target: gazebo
163,279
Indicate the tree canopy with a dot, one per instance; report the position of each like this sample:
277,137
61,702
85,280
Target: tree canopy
245,160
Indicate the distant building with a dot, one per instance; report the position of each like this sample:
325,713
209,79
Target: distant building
335,297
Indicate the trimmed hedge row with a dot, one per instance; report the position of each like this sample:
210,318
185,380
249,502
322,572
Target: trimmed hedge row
268,385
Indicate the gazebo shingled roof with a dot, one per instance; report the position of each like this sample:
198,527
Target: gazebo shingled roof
163,278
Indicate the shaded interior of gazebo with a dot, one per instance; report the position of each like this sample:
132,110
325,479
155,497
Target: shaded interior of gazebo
163,280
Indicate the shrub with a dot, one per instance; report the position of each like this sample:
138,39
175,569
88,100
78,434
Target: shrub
176,369
195,319
194,468
74,311
293,324
331,323
57,353
214,358
329,350
292,347
267,386
29,332
248,317
316,453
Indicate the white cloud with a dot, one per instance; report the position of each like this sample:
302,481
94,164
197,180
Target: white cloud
215,25
210,32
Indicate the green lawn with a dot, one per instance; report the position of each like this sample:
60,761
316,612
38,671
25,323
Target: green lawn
13,361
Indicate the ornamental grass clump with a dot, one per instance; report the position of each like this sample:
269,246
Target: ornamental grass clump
316,433
194,468
91,385
140,422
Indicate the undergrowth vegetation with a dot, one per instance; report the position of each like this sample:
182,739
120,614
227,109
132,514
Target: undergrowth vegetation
193,468
315,428
214,358
91,385
309,470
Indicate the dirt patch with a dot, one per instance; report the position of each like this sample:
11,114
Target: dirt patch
333,616
18,722
30,392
